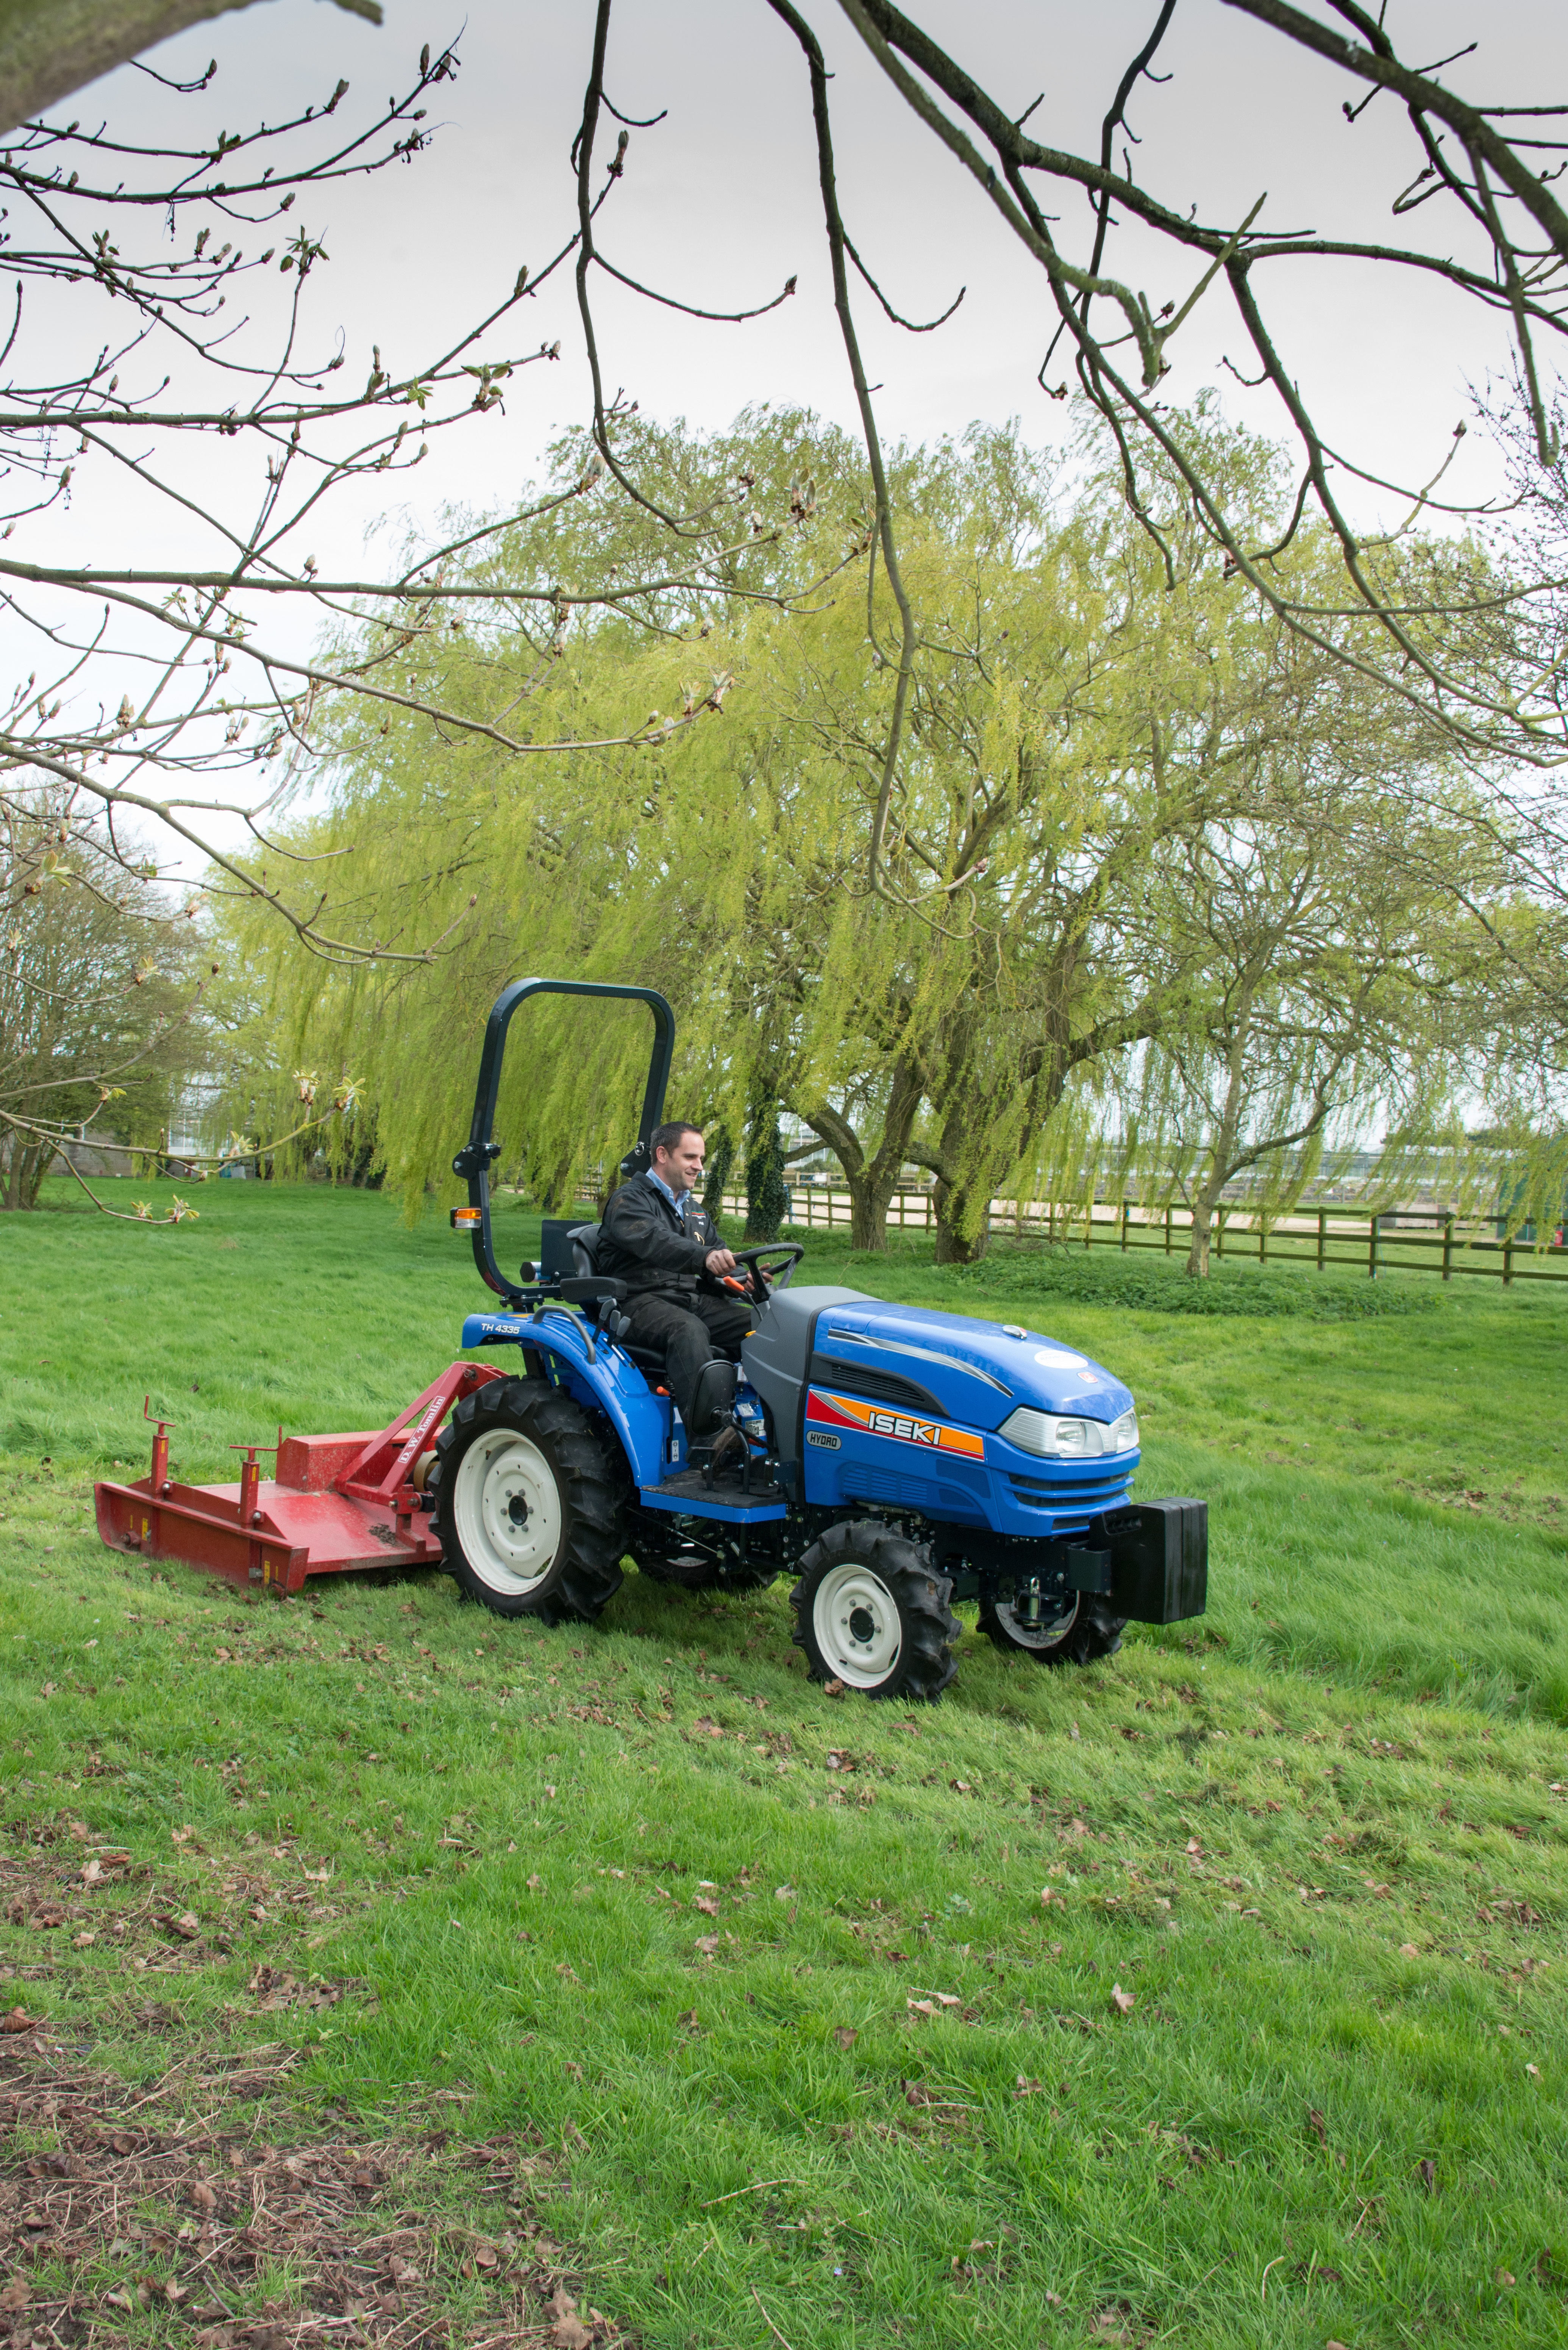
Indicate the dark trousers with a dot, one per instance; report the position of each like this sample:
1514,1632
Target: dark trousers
690,1333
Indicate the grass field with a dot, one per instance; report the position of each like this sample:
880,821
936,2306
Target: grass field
764,1984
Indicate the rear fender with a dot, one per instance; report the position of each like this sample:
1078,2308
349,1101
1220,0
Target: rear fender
606,1383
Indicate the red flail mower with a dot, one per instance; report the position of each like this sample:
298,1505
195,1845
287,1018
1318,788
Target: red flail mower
335,1502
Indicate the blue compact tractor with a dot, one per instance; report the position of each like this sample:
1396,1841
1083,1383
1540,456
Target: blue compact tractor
896,1460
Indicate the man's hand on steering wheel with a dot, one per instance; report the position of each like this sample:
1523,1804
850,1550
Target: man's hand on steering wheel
720,1260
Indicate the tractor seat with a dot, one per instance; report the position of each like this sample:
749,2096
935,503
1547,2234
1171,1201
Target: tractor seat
585,1240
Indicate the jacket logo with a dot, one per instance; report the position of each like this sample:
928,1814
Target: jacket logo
904,1427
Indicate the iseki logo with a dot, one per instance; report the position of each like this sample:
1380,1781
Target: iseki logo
913,1432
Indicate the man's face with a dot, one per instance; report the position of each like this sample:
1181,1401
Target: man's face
682,1168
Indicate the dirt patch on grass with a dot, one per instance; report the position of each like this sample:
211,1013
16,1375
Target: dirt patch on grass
200,2202
205,2211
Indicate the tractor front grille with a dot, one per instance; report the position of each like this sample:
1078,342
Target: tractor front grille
1079,1494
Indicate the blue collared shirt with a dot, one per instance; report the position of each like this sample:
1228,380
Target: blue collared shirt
677,1202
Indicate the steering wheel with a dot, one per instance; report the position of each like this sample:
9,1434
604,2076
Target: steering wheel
779,1274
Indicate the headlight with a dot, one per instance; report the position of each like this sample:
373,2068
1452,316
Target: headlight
1054,1437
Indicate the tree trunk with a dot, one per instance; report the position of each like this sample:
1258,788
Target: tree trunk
1198,1254
721,1159
871,1183
25,1172
963,1229
1220,1149
767,1196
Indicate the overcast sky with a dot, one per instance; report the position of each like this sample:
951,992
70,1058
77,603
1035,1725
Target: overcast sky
718,205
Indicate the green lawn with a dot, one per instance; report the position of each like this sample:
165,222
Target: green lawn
769,1975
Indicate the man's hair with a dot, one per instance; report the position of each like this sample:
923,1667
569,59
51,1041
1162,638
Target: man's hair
665,1138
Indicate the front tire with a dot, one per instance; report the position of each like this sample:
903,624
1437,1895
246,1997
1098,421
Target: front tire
1081,1631
872,1611
528,1513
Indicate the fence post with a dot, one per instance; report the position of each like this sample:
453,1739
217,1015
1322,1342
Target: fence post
1448,1245
1168,1228
1126,1212
1508,1261
1262,1238
1372,1251
1219,1231
1321,1235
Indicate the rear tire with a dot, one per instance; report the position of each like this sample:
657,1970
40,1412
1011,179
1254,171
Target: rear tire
527,1507
872,1611
1081,1634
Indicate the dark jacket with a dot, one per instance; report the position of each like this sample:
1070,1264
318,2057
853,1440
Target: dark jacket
644,1243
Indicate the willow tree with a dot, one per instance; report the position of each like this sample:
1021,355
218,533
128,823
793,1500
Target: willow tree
1070,719
1072,725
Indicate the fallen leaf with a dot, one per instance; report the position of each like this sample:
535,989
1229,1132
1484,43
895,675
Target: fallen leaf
1317,2122
783,1893
1194,1847
180,1835
568,2331
47,1916
92,1871
18,2021
1122,2001
83,1941
845,2035
920,2007
834,1687
535,1884
1026,2087
1409,1950
707,1943
1427,2171
709,1906
1534,2071
187,1925
1505,2278
486,2256
17,2294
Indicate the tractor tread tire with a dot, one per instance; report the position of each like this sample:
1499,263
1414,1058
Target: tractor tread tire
927,1665
587,1573
1095,1633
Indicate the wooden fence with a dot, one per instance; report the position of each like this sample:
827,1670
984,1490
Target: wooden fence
1406,1240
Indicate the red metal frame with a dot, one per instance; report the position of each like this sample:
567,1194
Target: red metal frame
337,1503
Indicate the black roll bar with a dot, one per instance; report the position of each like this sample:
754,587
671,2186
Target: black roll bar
473,1161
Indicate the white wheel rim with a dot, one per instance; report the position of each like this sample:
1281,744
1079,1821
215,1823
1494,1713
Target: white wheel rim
859,1634
506,1507
1047,1632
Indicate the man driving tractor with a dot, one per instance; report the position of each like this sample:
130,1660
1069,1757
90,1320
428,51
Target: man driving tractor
657,1237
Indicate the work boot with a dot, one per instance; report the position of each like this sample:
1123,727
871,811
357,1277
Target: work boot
728,1450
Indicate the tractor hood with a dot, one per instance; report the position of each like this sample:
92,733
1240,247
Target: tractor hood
971,1371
